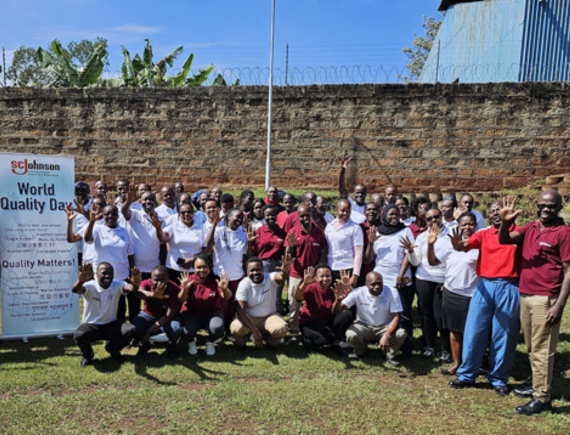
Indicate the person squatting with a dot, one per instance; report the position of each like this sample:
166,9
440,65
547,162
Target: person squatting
202,262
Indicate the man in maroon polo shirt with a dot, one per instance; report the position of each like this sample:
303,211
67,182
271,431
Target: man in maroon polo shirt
309,247
161,307
309,199
544,287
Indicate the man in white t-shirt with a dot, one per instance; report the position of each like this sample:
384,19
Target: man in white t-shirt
255,296
146,246
101,301
378,311
168,206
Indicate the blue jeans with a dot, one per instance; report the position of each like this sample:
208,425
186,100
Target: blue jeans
143,322
494,310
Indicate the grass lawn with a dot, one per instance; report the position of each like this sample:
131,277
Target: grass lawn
44,390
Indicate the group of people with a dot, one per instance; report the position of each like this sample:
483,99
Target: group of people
202,262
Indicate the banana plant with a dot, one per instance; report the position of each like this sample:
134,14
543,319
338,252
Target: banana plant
63,74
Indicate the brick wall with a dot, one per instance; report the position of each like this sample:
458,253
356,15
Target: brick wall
419,137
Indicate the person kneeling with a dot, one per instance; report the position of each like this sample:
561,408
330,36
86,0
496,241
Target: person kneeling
377,318
256,312
101,297
161,307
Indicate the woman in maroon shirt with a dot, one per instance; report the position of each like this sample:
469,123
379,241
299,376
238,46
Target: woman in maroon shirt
420,207
201,295
318,322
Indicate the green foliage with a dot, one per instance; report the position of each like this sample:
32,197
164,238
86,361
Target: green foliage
27,68
417,55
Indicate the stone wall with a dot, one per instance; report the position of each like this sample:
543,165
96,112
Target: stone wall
419,137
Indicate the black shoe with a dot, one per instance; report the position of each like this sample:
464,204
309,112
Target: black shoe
445,358
458,384
428,353
534,407
293,339
115,354
240,348
393,362
335,347
501,390
85,362
171,351
143,350
347,348
525,391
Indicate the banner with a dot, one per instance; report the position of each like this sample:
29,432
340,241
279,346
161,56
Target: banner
38,266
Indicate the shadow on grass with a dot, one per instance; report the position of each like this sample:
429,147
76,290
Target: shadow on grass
35,351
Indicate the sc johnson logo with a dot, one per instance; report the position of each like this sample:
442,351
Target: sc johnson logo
21,167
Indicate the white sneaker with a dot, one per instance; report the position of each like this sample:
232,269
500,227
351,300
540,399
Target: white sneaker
192,349
210,348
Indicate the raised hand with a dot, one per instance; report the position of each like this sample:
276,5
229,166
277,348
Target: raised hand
136,276
95,216
373,234
154,220
86,272
345,160
158,292
109,198
251,236
432,234
131,195
292,241
345,278
455,237
223,283
407,244
309,275
286,261
70,213
508,212
79,205
339,292
459,211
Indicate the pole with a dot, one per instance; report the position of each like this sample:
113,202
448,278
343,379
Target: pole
437,63
286,64
269,113
4,65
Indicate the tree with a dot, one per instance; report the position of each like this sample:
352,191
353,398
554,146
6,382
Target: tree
417,55
26,68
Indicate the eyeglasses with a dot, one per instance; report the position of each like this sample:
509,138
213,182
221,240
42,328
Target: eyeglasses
429,219
548,206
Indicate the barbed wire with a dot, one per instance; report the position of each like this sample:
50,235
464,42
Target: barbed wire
377,74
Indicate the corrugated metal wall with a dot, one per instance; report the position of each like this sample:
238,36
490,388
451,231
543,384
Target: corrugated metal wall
478,42
546,41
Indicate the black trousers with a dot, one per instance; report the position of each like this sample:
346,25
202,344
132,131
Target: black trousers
406,320
430,298
320,334
118,334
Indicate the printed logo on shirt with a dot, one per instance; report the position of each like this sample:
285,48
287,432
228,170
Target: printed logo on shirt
545,244
316,244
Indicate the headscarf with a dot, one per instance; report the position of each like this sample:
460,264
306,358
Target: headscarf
386,229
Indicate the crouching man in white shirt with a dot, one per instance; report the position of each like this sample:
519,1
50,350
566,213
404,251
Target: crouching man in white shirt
101,297
377,319
256,313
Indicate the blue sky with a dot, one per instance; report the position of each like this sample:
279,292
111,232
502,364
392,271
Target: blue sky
230,34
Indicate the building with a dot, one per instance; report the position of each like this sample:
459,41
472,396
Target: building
501,41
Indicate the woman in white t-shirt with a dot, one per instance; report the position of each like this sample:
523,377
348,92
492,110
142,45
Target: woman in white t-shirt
429,286
461,280
186,239
230,248
256,216
392,263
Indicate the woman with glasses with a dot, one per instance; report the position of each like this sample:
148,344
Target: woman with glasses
429,284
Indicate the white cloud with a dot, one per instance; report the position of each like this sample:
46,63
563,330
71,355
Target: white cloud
135,28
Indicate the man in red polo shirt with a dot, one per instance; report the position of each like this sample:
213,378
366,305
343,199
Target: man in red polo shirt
494,308
309,199
161,307
309,247
544,287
